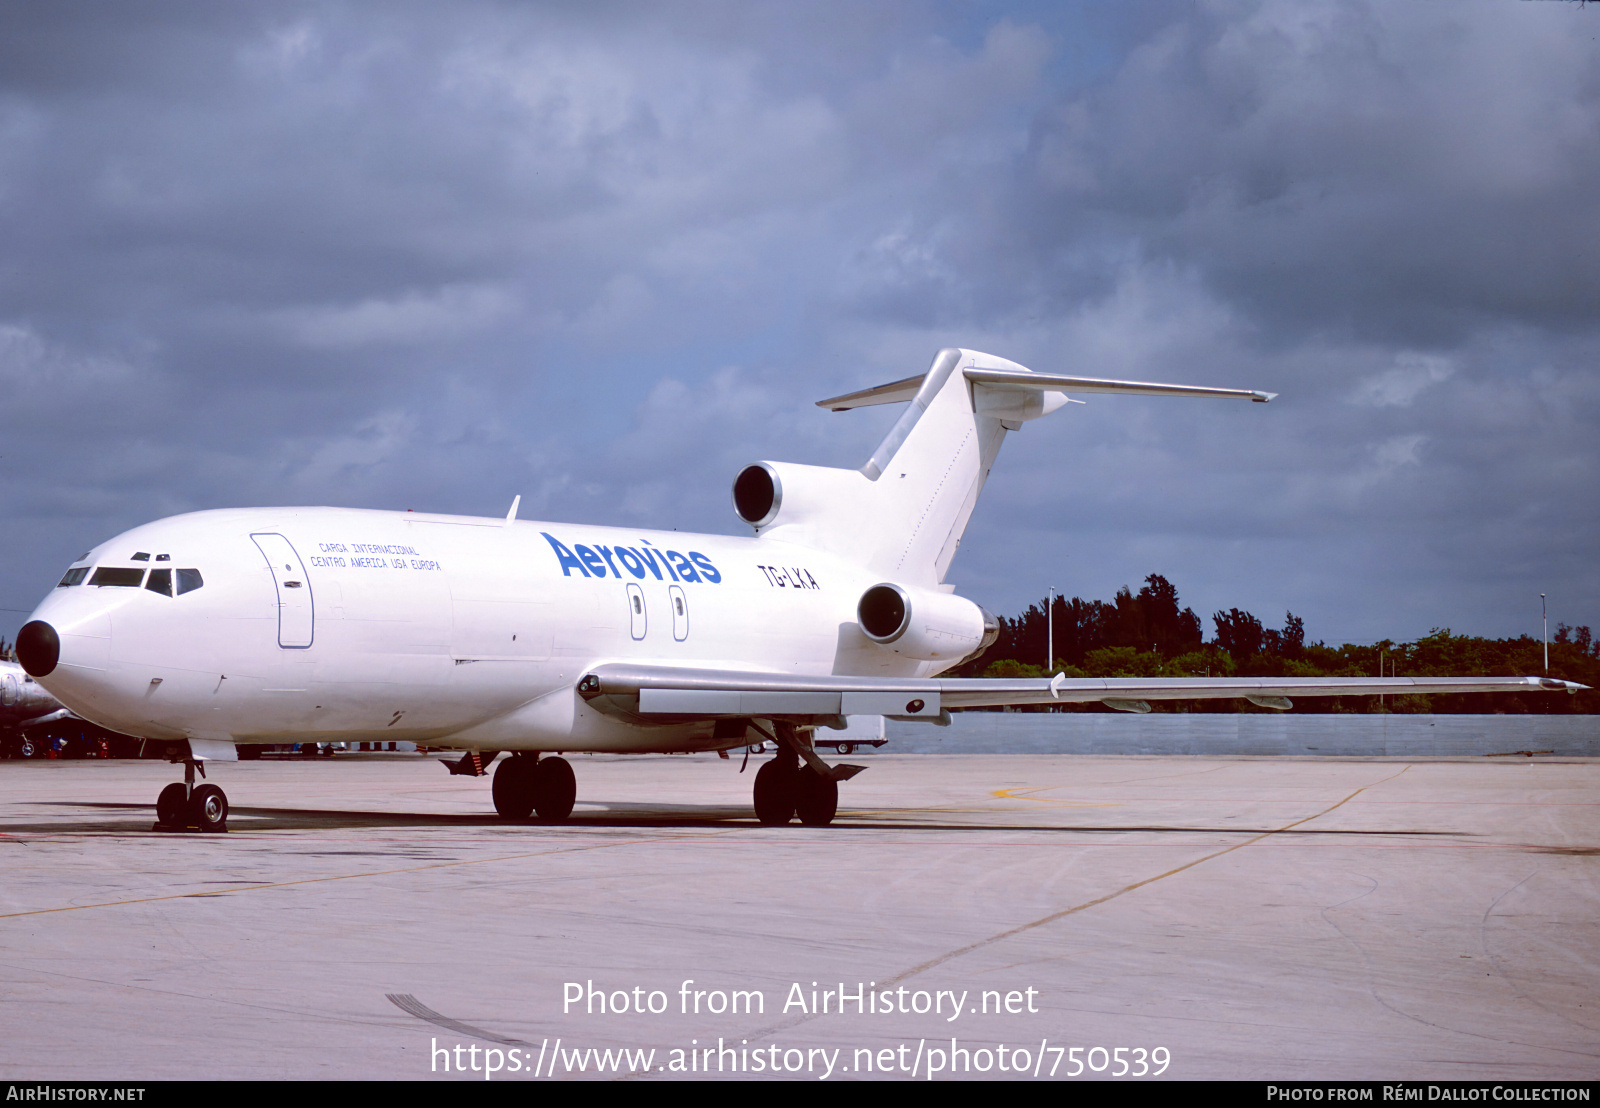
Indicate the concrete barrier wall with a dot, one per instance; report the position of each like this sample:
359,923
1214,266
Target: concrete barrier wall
1417,736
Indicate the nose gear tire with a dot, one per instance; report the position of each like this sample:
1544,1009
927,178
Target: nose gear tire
172,806
208,809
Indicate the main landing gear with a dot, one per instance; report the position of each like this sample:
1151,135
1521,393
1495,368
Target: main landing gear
184,807
785,788
526,783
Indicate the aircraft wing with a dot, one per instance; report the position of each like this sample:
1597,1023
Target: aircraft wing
671,692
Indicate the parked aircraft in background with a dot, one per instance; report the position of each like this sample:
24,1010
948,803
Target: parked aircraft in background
272,625
25,704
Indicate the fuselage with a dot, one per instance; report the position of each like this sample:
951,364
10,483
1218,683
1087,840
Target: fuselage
326,624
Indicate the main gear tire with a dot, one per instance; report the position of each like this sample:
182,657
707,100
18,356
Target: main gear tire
776,785
816,798
555,789
513,787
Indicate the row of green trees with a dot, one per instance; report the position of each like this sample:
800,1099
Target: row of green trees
1148,634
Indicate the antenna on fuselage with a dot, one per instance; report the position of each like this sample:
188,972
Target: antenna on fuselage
512,514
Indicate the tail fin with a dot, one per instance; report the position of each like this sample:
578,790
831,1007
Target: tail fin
930,468
905,512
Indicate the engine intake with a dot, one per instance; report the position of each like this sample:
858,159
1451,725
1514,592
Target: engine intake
884,612
757,494
920,623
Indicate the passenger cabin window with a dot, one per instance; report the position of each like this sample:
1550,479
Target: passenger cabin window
160,581
189,580
116,575
74,576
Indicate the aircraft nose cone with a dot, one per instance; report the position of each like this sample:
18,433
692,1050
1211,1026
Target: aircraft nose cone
38,648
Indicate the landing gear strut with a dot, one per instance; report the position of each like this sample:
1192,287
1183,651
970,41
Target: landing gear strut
525,784
182,806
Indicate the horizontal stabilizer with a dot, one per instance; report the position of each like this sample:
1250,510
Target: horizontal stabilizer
1057,382
897,392
893,393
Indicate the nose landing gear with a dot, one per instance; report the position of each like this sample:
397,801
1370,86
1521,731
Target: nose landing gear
184,807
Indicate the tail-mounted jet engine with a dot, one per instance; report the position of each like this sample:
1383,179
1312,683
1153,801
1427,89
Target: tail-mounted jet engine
920,623
812,500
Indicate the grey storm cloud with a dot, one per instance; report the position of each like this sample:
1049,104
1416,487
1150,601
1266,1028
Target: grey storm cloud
410,255
1394,170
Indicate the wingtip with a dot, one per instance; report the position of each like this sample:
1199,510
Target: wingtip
1263,397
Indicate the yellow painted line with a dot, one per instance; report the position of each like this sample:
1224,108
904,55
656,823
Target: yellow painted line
1020,793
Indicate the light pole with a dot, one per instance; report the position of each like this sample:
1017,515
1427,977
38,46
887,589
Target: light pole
1544,620
1050,632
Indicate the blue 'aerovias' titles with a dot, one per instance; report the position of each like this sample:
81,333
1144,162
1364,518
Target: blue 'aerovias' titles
639,561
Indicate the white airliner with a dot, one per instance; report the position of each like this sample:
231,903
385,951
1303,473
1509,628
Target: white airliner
271,625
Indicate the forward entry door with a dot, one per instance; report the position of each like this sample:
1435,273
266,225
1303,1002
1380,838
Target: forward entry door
296,613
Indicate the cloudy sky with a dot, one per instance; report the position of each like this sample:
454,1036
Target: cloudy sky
602,255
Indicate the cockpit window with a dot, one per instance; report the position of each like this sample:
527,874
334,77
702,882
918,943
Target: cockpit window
74,576
116,575
160,581
188,580
141,556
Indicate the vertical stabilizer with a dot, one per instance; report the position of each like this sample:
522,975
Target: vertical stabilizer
904,512
928,472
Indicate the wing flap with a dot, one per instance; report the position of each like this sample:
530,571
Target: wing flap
735,702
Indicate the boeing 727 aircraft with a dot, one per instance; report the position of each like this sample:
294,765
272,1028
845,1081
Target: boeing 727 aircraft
273,625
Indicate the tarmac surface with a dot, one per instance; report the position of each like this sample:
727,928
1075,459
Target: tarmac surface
1248,918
